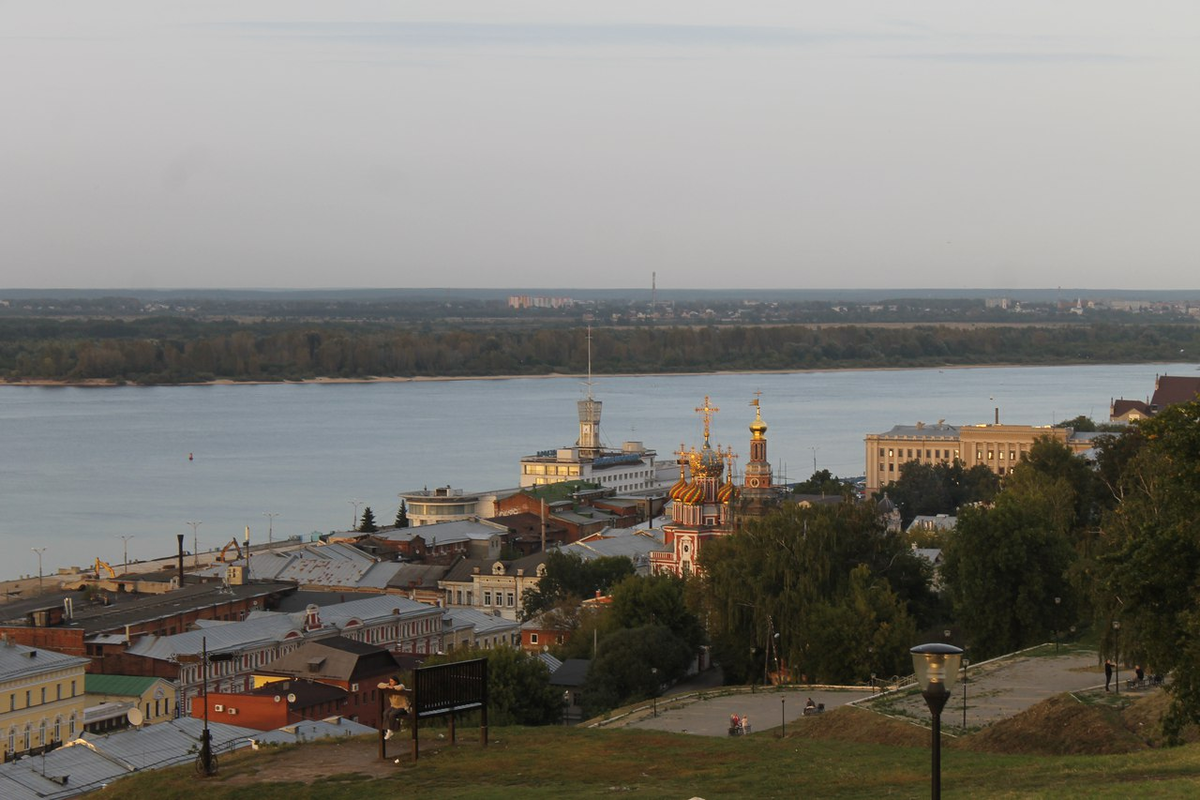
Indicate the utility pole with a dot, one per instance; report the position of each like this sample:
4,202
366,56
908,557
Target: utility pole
195,543
354,520
39,551
270,515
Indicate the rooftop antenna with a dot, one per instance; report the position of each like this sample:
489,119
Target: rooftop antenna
589,349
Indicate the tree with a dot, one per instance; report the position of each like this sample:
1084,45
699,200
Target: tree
656,600
796,571
824,482
519,690
366,523
1148,571
632,663
402,515
569,575
1005,565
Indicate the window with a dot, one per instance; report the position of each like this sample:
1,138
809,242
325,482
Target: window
1012,455
58,691
991,454
891,452
891,467
910,455
533,638
881,452
487,598
511,600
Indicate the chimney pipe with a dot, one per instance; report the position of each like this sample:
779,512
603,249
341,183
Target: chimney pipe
179,536
997,415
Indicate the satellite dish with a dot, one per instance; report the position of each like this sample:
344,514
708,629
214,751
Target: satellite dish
291,698
135,717
277,698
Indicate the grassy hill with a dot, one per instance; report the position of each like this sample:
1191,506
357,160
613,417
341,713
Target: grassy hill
848,753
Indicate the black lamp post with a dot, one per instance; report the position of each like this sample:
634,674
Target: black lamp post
1117,651
654,680
965,663
1057,616
935,666
783,717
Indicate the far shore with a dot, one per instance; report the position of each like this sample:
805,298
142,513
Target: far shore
102,383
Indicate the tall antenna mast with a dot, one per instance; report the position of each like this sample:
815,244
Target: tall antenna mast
653,291
589,348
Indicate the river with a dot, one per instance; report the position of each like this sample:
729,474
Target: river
82,467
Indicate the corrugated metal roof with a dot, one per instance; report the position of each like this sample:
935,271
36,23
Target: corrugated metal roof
18,661
124,685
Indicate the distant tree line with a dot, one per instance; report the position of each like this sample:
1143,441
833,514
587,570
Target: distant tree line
180,350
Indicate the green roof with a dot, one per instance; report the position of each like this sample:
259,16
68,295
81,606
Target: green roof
121,685
561,490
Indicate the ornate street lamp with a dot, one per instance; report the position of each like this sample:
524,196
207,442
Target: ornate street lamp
935,666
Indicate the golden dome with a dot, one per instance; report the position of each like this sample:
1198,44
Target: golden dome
707,463
726,493
758,427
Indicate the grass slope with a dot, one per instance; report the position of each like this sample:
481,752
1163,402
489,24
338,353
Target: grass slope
839,756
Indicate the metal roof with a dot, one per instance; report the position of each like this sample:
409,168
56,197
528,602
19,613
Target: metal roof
18,661
122,685
272,626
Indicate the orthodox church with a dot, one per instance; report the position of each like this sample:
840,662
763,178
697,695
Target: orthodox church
705,503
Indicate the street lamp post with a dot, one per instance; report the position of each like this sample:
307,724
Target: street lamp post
270,515
783,717
39,551
195,543
1117,651
936,668
125,547
654,680
566,704
965,662
354,520
1057,616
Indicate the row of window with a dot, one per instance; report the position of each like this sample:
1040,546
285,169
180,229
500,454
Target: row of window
934,453
58,695
26,740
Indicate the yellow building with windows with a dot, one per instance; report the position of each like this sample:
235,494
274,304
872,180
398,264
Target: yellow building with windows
41,699
997,447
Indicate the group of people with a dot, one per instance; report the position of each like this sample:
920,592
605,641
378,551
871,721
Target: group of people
739,726
1110,666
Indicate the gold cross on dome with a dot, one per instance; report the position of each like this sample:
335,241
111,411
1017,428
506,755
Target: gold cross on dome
707,410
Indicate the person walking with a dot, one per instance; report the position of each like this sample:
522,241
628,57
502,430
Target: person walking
1108,672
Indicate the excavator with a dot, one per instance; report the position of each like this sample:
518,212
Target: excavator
237,549
103,566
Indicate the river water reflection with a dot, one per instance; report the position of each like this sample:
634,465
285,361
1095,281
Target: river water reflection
81,467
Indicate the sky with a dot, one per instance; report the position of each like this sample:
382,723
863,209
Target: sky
298,144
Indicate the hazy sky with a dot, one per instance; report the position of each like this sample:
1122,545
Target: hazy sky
284,143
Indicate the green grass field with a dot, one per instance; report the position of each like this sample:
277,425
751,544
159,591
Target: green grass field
578,763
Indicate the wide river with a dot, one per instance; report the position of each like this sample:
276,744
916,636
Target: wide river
82,467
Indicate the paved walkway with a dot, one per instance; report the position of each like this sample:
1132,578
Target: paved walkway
995,690
709,716
1002,688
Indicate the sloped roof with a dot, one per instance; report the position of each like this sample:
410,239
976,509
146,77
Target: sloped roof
573,672
421,575
936,431
18,661
484,624
1172,389
121,685
462,530
264,627
333,658
627,542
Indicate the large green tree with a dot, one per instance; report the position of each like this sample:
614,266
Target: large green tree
519,690
568,576
1149,568
796,573
631,664
1005,564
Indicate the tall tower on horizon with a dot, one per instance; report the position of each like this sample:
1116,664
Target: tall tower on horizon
589,414
758,490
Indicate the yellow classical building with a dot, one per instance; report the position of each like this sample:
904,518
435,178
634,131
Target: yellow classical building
997,447
41,699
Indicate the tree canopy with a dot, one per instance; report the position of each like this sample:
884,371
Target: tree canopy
570,576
